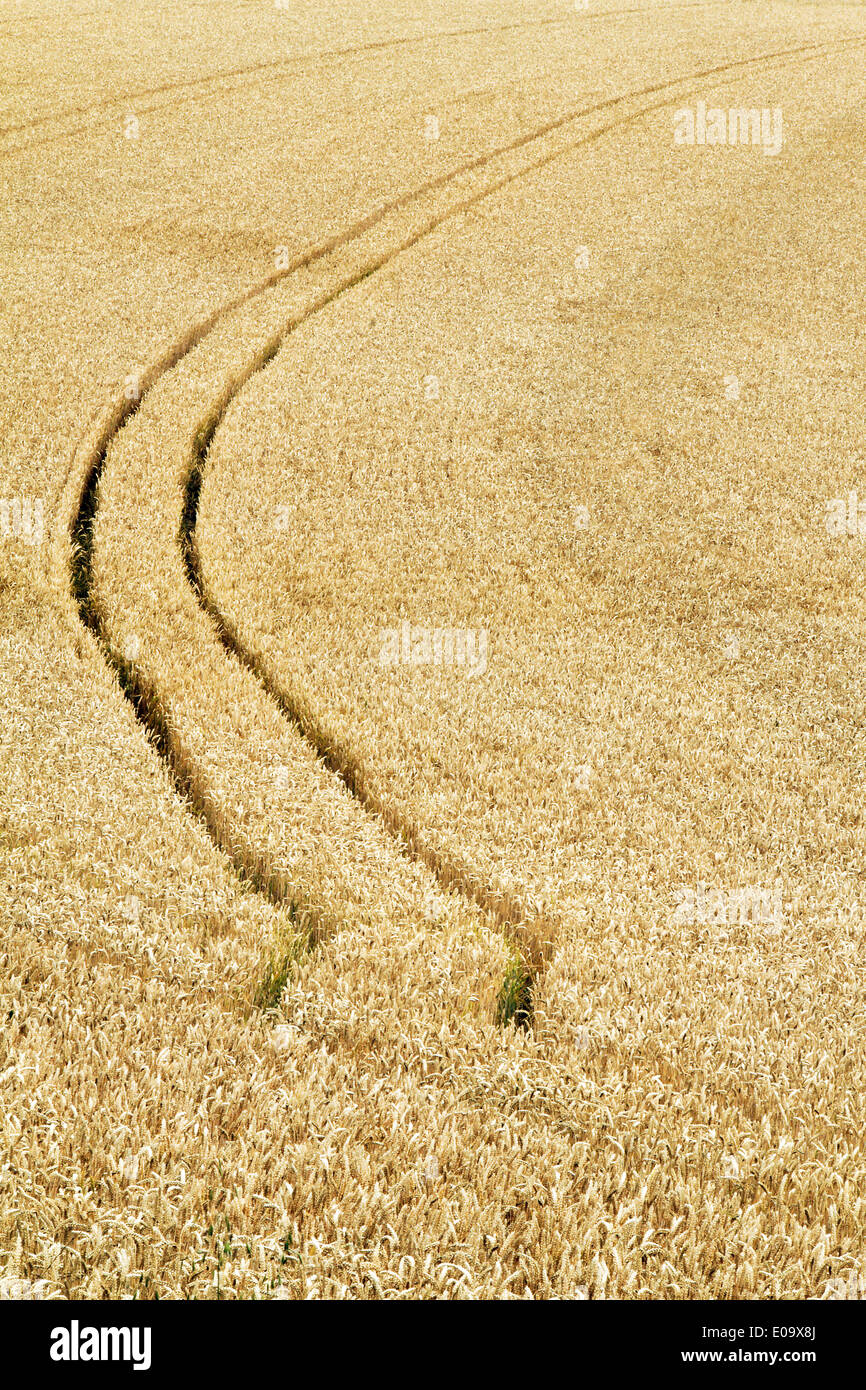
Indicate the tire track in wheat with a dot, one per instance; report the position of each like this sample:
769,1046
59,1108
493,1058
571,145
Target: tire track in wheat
510,916
192,85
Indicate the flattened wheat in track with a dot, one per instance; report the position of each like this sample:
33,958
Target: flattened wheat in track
525,917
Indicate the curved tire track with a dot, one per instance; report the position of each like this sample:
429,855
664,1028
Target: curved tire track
510,916
253,70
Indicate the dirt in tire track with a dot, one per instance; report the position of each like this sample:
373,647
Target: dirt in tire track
509,915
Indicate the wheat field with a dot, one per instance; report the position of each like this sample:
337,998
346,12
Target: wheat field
431,575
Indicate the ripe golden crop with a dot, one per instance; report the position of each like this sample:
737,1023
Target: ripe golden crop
430,822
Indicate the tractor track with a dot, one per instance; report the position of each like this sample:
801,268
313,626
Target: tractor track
193,85
139,688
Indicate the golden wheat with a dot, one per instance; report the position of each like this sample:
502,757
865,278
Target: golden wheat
535,372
